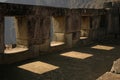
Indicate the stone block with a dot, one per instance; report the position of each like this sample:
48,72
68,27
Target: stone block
59,24
68,38
116,67
59,37
36,50
109,76
45,46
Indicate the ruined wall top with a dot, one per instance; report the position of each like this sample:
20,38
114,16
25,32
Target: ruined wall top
94,4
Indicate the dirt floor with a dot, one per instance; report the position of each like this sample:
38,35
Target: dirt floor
82,63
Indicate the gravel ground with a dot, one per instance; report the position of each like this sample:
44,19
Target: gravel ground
83,63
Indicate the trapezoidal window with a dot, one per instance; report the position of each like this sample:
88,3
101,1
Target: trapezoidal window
85,27
14,35
57,31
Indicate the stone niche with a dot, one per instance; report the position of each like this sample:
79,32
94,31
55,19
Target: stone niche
22,31
57,31
85,26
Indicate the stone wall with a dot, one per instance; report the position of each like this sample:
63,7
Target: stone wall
34,26
2,46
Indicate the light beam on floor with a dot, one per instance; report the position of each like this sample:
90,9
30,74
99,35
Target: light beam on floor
75,54
102,47
38,67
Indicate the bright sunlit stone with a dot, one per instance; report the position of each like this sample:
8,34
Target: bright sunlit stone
15,50
78,55
109,76
102,47
38,67
55,43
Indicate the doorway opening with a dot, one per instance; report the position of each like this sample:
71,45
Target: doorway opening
12,34
57,31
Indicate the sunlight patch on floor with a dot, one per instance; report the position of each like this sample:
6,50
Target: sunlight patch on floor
78,55
102,47
55,43
15,50
38,67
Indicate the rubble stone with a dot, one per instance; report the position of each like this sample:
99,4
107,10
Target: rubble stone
109,76
116,67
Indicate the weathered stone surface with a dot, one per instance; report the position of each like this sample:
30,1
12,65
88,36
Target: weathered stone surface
35,21
116,67
2,34
73,22
59,24
109,76
21,31
68,40
45,46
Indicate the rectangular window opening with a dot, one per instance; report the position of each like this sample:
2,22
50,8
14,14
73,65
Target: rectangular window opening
85,27
11,38
57,31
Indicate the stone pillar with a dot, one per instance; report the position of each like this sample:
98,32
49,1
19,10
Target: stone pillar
68,40
94,30
73,26
38,32
109,23
116,26
45,27
33,34
75,38
2,46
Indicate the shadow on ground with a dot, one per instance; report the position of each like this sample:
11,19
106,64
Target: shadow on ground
63,67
